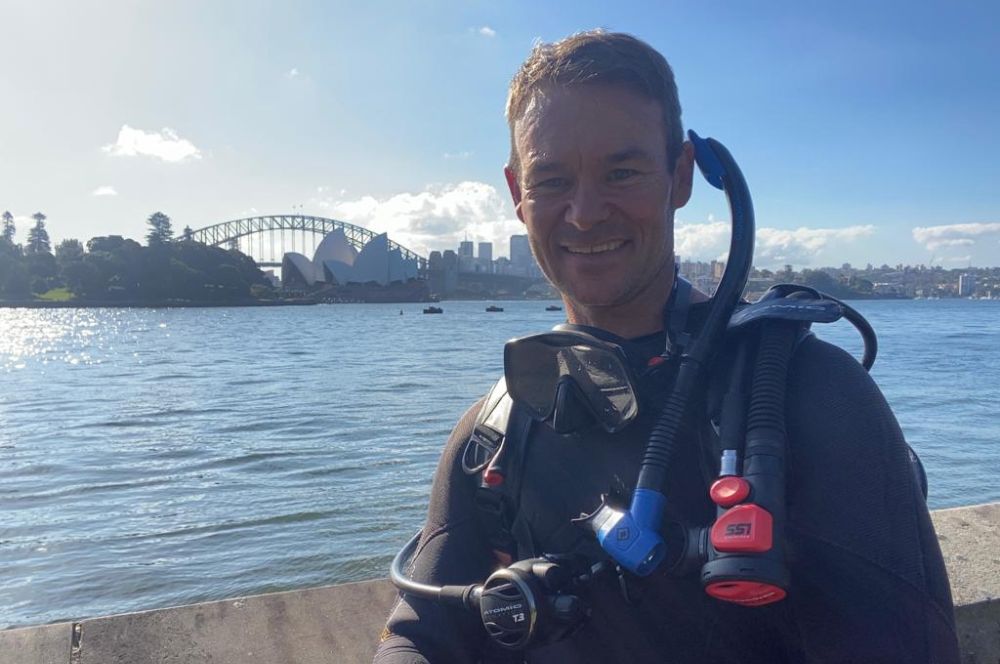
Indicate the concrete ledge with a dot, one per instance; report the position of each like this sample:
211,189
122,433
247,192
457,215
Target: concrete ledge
970,542
340,624
48,644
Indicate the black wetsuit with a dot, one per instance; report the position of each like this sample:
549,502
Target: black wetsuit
867,579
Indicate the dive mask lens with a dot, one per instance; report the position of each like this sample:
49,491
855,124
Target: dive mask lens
534,366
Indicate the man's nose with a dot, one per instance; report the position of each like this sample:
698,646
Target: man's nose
587,207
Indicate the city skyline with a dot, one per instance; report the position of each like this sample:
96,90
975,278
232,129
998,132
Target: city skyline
866,133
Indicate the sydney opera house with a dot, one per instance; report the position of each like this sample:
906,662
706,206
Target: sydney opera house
337,263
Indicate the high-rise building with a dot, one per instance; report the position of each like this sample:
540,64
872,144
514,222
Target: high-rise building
465,249
449,262
966,285
486,252
520,251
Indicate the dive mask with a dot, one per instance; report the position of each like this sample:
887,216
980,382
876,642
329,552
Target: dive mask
542,367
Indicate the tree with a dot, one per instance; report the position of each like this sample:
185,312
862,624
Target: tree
38,237
69,253
69,250
8,226
14,282
159,229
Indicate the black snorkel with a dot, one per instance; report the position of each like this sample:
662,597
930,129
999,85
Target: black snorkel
632,538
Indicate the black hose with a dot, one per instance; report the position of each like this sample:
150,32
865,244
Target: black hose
466,597
867,333
766,441
662,443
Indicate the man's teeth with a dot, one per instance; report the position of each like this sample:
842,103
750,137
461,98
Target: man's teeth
596,248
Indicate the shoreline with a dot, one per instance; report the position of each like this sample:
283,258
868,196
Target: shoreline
167,304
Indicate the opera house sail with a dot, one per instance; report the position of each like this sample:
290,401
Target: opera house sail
375,274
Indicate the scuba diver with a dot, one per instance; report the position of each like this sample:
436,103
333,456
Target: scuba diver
668,477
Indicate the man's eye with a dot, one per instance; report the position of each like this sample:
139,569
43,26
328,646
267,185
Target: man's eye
619,174
551,183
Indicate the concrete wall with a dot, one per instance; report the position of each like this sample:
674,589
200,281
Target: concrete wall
340,624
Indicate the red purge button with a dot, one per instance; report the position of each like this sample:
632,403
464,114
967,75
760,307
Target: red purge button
729,491
743,529
492,478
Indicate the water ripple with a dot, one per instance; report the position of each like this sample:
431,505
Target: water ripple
159,457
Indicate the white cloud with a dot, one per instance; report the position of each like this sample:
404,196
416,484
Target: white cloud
437,218
959,261
487,31
773,246
293,73
802,245
955,235
465,154
105,190
164,144
700,241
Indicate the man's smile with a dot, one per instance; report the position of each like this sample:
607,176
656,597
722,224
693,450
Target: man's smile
603,247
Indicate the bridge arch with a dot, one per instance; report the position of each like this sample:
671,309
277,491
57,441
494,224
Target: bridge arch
274,225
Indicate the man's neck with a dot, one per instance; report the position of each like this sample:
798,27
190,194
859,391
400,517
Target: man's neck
635,319
638,317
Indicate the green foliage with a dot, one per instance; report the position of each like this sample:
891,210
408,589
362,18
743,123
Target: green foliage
42,271
160,231
822,281
69,250
38,237
114,268
57,295
14,281
8,227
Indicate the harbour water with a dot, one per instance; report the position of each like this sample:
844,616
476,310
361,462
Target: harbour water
150,458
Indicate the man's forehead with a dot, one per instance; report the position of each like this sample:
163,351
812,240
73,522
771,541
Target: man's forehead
610,122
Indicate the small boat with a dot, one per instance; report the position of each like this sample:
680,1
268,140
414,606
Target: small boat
553,307
433,310
493,308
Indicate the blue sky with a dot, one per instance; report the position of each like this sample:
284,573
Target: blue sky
867,131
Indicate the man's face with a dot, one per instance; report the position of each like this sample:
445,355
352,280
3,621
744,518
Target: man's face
596,194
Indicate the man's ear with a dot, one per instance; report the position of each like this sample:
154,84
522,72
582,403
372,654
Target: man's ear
515,190
683,173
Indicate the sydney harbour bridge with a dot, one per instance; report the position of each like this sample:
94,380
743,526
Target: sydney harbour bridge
267,239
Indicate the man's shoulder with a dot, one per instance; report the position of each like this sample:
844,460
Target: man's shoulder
464,426
823,373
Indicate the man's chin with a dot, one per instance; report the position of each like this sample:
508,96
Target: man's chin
597,298
607,295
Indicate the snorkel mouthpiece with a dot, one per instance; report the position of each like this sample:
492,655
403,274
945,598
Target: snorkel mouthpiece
632,537
709,165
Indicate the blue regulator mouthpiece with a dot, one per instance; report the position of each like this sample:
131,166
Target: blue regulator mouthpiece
632,537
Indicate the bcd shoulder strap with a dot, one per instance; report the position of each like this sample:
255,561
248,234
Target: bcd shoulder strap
494,456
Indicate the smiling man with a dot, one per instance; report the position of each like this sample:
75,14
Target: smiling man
596,181
597,169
